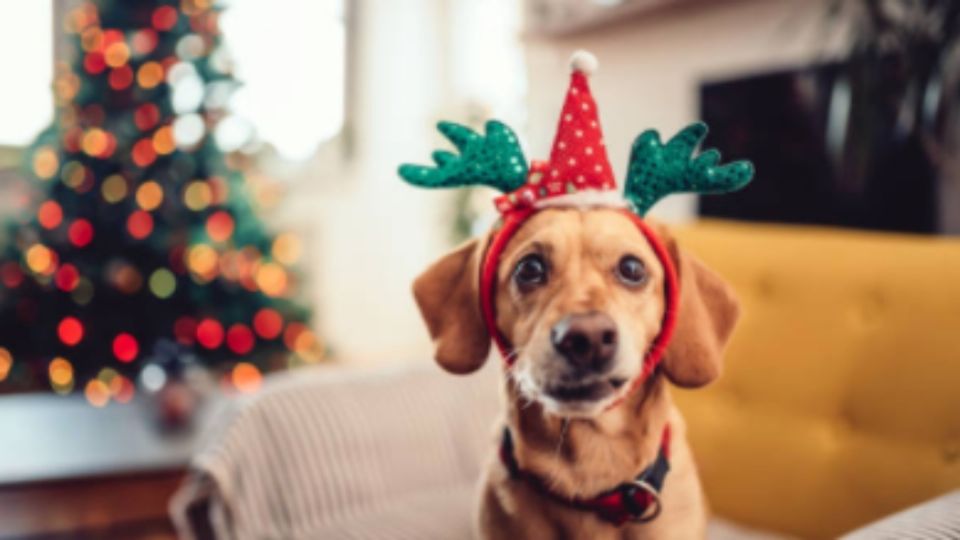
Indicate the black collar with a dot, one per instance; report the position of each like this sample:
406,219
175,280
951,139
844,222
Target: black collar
637,500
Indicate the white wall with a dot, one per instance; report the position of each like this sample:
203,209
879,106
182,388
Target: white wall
651,66
371,234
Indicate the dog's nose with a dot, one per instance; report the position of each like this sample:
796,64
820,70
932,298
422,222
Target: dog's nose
588,341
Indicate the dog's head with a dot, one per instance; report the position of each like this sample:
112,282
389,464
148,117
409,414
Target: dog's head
580,297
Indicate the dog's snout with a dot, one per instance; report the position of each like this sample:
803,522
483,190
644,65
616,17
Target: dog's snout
588,341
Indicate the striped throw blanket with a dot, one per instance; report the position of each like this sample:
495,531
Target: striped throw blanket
333,453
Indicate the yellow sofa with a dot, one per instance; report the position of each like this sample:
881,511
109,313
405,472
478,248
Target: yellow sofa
840,401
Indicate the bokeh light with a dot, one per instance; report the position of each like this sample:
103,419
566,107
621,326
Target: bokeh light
82,294
202,261
94,142
11,275
74,174
120,78
164,18
143,153
220,226
40,259
121,388
188,129
140,224
50,215
146,116
97,393
67,278
126,278
185,330
163,142
45,163
240,339
149,195
246,377
272,279
125,347
6,363
91,39
287,248
80,233
197,195
268,323
150,74
70,331
94,63
114,188
116,54
144,41
163,283
153,378
60,372
210,333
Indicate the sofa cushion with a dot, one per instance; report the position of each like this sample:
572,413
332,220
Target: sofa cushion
838,403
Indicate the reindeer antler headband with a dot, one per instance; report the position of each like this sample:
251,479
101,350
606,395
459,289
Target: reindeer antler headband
577,173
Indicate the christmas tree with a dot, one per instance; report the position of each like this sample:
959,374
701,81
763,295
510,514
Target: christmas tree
142,248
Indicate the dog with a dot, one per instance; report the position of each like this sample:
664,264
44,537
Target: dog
594,311
579,295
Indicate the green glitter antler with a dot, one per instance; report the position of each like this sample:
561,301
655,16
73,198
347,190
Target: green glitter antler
494,159
657,170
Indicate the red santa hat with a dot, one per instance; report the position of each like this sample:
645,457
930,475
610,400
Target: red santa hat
578,162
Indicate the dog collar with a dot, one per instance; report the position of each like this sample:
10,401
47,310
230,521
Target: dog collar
512,221
637,500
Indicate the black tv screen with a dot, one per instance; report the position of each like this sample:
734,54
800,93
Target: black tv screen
821,156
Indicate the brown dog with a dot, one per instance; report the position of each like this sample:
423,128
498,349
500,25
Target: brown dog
579,295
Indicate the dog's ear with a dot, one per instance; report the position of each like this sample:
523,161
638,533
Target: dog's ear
447,294
708,311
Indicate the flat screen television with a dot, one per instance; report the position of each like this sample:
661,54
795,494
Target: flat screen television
813,164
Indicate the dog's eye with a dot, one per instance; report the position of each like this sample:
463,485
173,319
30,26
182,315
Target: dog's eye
530,272
631,271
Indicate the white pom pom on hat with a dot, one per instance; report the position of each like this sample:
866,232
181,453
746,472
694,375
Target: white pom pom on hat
583,61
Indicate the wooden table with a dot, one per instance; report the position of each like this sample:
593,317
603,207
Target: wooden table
129,505
69,470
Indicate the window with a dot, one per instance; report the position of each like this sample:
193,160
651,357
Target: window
290,56
26,61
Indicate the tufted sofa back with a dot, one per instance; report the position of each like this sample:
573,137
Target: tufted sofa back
840,400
